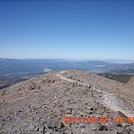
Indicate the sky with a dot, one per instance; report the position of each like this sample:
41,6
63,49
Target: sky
67,29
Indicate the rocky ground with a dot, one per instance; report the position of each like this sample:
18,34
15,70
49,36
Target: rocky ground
39,105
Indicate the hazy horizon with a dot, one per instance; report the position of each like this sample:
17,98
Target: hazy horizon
82,60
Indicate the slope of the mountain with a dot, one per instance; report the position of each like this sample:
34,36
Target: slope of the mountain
124,78
131,81
39,105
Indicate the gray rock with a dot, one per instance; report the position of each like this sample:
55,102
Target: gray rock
32,127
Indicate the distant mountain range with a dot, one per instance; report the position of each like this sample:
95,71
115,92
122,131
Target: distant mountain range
16,70
13,67
22,67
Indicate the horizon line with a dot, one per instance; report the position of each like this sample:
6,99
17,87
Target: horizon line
66,58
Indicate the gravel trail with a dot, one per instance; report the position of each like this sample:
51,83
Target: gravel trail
108,99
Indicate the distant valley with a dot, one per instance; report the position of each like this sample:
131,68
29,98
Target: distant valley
16,70
114,69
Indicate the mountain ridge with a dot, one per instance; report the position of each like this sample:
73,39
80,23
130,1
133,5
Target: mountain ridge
39,105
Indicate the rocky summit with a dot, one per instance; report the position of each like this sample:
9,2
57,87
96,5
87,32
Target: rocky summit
67,102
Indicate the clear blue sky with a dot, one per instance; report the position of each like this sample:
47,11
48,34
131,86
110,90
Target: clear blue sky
69,29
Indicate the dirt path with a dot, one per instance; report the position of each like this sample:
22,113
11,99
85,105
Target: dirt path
109,100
